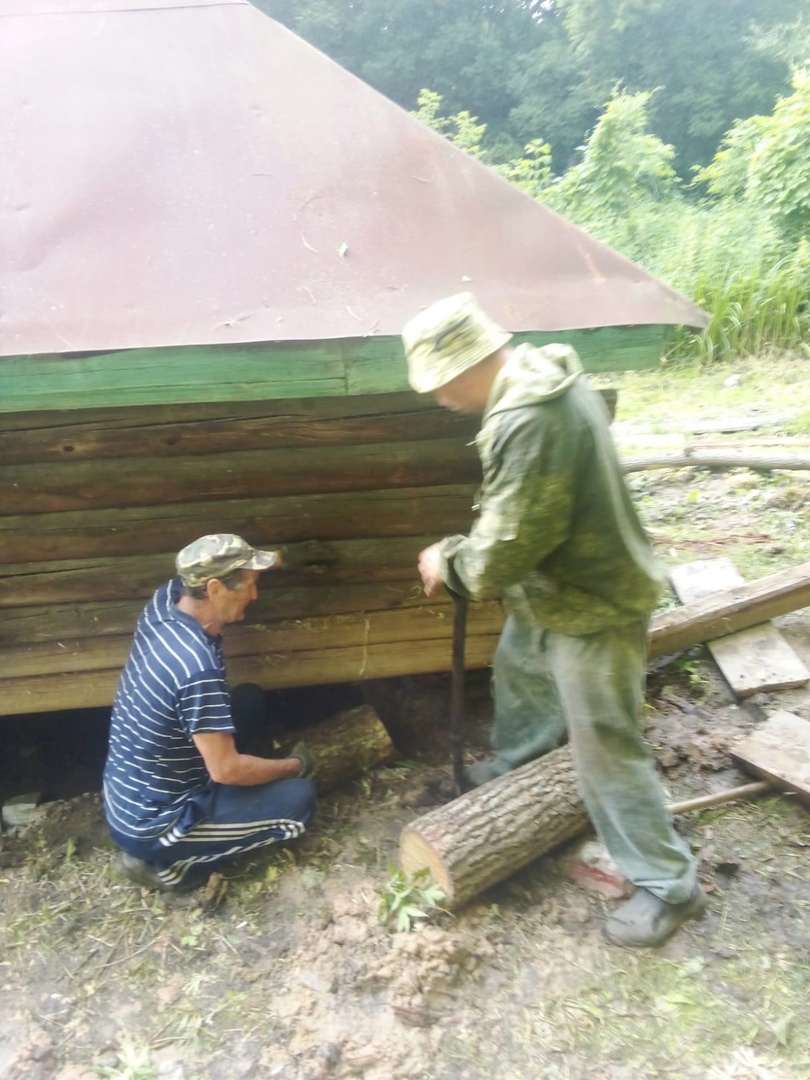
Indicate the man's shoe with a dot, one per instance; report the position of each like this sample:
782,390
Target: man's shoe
144,874
646,921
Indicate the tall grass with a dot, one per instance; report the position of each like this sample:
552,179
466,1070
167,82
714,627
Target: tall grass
732,261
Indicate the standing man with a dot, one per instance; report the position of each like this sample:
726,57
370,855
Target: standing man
180,796
558,538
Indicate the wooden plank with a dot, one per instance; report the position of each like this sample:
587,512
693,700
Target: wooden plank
754,660
177,432
187,373
138,416
49,693
779,750
610,348
734,422
275,640
254,372
62,622
125,482
74,580
734,609
48,537
717,459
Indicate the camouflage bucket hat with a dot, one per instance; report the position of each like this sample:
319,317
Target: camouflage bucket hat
446,339
217,555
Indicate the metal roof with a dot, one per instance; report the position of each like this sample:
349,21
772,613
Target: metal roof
182,172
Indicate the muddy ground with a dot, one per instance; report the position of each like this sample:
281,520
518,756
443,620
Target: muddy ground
283,969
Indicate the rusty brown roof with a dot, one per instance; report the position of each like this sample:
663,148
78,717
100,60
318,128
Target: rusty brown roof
190,172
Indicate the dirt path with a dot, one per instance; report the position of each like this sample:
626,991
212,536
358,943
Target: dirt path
286,971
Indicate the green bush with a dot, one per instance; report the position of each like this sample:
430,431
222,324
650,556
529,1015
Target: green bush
740,252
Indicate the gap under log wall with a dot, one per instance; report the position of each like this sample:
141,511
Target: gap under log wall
95,503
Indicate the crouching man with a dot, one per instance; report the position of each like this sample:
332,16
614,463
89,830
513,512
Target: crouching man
180,796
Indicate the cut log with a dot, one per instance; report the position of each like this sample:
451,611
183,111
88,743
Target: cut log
755,660
735,609
346,745
716,459
488,833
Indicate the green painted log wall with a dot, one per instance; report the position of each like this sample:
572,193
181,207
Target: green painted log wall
213,373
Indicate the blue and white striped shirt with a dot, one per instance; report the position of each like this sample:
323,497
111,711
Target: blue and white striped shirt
173,687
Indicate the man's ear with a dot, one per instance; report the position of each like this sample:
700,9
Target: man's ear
213,588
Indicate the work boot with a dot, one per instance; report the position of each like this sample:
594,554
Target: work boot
646,921
481,772
144,874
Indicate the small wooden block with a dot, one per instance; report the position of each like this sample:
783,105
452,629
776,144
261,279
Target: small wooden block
753,660
779,750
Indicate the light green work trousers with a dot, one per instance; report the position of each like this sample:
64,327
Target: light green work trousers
548,685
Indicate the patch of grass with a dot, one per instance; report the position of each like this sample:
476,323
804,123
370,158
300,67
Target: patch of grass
678,1019
408,897
694,669
134,1063
756,519
660,399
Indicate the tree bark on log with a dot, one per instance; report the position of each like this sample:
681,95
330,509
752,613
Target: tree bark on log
487,834
346,745
701,459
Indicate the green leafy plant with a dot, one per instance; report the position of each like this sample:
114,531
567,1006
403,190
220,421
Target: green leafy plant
694,672
462,129
405,897
134,1063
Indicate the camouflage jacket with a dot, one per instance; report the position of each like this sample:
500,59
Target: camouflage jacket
557,533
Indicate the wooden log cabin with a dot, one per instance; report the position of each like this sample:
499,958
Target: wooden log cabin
210,239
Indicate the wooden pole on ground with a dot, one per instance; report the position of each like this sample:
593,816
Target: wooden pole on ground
734,609
716,459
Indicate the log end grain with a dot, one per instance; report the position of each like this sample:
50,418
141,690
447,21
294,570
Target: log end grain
416,854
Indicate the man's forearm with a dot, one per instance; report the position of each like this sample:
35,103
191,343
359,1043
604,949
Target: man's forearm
246,770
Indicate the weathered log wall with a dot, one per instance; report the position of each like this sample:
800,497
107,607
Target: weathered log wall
95,503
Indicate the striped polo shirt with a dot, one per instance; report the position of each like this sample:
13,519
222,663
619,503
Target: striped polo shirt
173,687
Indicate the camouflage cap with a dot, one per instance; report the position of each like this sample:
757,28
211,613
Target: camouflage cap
217,555
446,339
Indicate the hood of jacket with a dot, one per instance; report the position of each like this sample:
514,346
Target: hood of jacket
532,375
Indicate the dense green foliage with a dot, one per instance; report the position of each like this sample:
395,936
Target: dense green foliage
698,166
543,69
736,240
